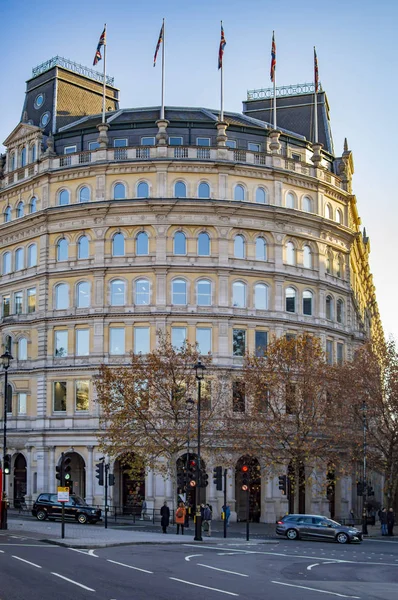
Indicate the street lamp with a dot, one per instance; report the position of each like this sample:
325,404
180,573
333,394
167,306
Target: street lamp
199,374
5,359
189,406
364,487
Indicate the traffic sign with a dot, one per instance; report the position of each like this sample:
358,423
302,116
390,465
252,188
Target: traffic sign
63,494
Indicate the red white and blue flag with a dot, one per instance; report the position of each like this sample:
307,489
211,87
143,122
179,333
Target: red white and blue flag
316,74
273,58
160,41
102,42
222,46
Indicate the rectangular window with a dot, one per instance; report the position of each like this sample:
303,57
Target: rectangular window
230,143
175,141
261,342
69,149
117,340
120,143
142,344
329,352
340,353
239,342
202,141
59,396
253,147
82,342
263,401
290,392
81,395
178,336
238,396
203,339
296,156
61,343
93,145
205,395
22,404
18,299
6,306
147,141
32,300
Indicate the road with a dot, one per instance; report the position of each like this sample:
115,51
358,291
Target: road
32,570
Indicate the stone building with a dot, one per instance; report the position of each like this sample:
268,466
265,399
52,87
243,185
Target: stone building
221,233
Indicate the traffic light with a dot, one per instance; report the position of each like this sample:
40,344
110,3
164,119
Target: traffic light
245,477
217,478
59,473
283,484
7,464
111,479
203,479
181,477
67,468
359,488
99,469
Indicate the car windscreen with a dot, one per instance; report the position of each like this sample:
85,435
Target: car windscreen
79,501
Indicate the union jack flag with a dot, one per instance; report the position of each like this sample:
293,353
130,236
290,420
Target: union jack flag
316,74
160,41
222,46
102,42
273,58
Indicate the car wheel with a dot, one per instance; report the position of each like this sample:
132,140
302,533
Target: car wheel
342,538
82,519
291,534
41,515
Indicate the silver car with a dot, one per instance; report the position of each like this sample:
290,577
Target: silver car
316,527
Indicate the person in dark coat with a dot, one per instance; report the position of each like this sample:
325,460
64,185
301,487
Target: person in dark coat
165,520
351,518
390,521
383,521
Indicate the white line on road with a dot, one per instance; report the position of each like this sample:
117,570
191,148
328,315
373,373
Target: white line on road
2,551
223,570
74,582
27,561
188,558
129,566
303,587
205,587
310,566
32,545
92,553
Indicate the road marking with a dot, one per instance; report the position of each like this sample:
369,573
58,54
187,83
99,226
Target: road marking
310,566
303,587
223,570
2,551
92,553
188,558
32,545
27,561
129,566
205,587
74,582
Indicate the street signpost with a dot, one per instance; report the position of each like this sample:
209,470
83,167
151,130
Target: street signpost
63,494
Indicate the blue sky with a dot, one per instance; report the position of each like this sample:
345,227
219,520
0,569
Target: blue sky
355,41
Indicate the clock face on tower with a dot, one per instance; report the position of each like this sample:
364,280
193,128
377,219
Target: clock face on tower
39,100
44,119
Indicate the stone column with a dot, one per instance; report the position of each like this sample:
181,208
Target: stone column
89,475
317,155
42,469
51,467
29,473
103,135
162,136
231,494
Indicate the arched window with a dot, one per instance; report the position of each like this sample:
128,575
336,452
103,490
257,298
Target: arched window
118,293
261,296
340,266
339,216
329,263
307,302
143,190
22,349
204,190
83,247
62,250
23,157
203,244
261,249
239,294
84,194
118,244
33,153
290,200
239,246
20,209
290,253
307,204
290,300
7,214
340,311
119,191
33,205
142,292
142,244
307,257
328,211
8,344
83,294
239,193
19,259
180,190
63,197
179,292
32,255
329,307
180,243
6,263
61,296
203,292
261,196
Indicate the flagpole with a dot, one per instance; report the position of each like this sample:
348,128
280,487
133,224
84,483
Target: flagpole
274,103
274,77
162,106
222,90
315,101
104,83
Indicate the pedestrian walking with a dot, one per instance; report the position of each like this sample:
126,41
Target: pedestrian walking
383,522
165,514
143,510
207,515
180,517
351,518
390,521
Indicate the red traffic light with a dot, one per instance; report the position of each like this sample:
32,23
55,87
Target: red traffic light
245,469
245,488
192,463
